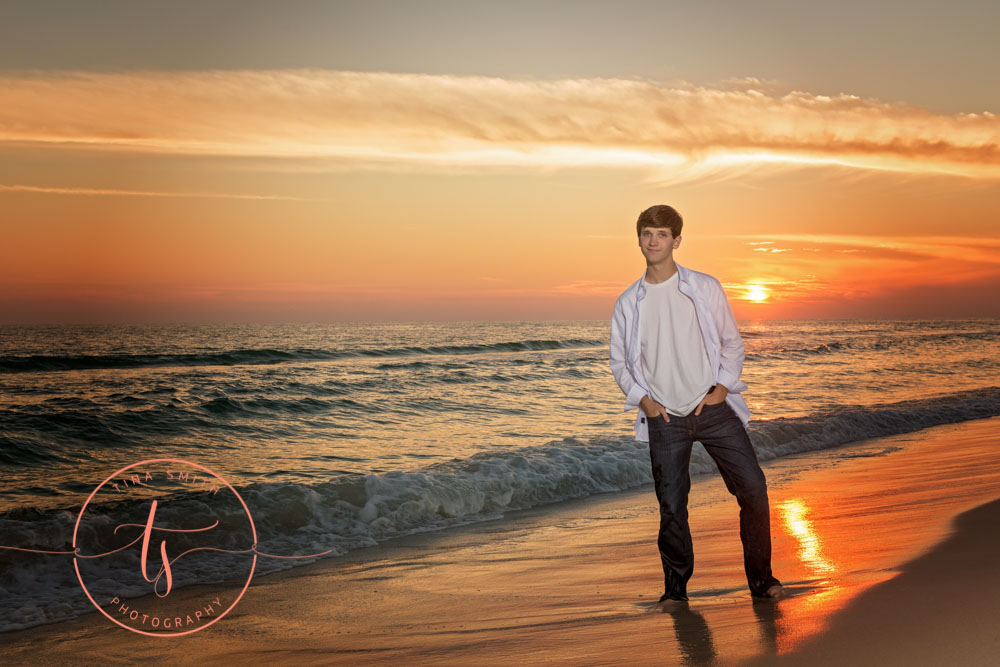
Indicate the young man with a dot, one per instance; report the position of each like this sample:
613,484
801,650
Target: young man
677,355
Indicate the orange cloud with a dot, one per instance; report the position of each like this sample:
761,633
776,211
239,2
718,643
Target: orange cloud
829,269
395,119
89,192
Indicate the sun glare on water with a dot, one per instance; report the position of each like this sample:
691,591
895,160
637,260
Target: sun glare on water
756,293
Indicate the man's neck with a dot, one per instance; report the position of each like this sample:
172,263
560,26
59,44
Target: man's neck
661,271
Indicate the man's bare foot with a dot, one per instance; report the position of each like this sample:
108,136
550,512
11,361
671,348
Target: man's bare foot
774,592
670,605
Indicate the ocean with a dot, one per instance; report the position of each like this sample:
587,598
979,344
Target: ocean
340,436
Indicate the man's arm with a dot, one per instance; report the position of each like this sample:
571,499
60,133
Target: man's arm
633,390
732,353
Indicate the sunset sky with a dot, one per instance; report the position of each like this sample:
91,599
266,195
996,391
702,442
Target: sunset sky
334,161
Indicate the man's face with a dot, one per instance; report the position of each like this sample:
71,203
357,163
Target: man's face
657,244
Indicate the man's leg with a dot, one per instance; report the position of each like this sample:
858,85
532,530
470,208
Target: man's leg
726,440
670,455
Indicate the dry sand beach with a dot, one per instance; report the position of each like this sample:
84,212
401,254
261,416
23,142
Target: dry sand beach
880,564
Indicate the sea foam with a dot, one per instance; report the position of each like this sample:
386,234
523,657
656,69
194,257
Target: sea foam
351,511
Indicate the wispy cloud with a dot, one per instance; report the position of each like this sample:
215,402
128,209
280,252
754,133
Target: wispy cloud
868,266
586,288
93,192
402,119
985,248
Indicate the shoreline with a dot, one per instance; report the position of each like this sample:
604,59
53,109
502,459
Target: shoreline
943,607
576,582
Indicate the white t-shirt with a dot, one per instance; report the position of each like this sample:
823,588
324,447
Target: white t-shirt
672,350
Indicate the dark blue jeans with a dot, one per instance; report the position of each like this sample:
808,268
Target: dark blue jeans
726,440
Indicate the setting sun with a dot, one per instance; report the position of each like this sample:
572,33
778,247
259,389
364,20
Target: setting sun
756,293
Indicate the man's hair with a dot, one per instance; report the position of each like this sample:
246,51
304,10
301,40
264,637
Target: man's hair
660,215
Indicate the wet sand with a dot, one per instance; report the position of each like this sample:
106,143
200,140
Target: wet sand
576,583
943,609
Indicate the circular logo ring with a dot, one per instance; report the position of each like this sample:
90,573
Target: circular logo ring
76,560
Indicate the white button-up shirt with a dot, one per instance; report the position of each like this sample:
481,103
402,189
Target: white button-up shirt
718,330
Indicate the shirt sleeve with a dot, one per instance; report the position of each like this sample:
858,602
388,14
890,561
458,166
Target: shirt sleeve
633,390
732,353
